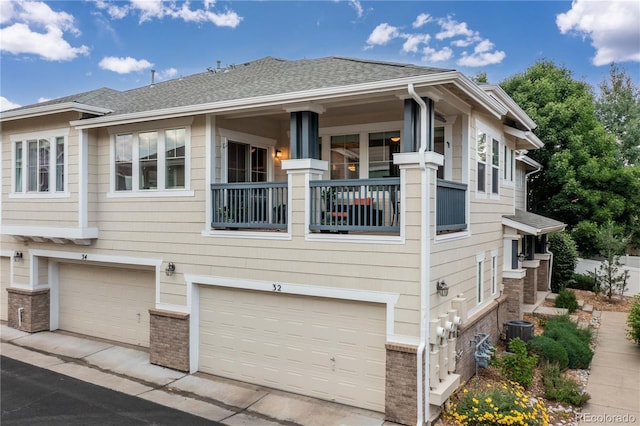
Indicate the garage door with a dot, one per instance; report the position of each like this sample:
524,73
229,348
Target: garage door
5,277
105,302
324,348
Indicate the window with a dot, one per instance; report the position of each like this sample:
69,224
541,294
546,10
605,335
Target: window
481,159
150,160
495,166
382,146
494,273
345,157
39,164
509,164
480,277
246,163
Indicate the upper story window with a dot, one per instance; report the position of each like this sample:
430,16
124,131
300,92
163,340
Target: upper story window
495,166
382,146
481,160
509,164
345,157
150,160
246,163
39,162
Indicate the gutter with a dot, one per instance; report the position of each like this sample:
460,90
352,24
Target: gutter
423,400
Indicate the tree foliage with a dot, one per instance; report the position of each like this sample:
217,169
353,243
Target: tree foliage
565,257
583,177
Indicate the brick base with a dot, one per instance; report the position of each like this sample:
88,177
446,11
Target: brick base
543,275
169,339
28,309
530,286
401,395
489,320
513,289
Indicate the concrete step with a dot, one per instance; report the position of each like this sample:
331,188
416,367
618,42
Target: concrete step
588,308
551,297
551,312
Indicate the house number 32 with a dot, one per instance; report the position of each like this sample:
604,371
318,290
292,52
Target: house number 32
276,287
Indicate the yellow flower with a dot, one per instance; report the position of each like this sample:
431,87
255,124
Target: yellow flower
475,401
488,400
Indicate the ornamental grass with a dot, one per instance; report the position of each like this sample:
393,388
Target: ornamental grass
504,404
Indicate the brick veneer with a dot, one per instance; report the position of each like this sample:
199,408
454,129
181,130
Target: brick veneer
401,395
169,339
35,309
490,320
543,275
530,286
513,290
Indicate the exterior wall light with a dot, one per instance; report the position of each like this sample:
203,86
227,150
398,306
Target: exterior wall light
17,256
171,268
442,287
521,257
278,153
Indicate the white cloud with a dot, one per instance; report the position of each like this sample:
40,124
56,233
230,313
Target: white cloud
452,28
421,19
433,55
167,74
357,6
6,104
124,65
34,28
382,34
159,9
413,41
482,55
611,25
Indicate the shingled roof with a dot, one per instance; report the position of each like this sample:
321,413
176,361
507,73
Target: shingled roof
263,77
531,223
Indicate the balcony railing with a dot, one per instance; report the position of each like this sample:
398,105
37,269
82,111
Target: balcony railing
451,214
355,205
249,205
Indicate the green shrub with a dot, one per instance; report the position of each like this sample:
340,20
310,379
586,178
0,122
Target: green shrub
633,320
577,348
549,351
518,365
567,299
582,282
504,405
564,322
565,257
562,389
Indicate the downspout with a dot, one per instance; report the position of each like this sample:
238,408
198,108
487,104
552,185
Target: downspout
423,400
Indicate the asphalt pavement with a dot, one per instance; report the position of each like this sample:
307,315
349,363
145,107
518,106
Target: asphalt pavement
31,395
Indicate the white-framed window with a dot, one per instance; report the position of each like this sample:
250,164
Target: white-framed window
508,172
246,157
39,163
479,278
494,272
481,162
495,166
361,152
151,160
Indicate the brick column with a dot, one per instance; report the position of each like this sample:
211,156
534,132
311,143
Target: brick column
401,393
513,289
543,271
169,339
530,284
28,309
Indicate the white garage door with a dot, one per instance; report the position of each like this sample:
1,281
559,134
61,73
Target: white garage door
105,302
325,348
5,277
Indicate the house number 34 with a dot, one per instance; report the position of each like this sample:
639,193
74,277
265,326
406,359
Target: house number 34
276,287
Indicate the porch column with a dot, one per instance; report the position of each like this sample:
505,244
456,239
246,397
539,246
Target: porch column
300,172
304,140
411,140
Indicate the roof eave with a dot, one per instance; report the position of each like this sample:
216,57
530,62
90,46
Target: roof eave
40,110
513,107
527,229
283,99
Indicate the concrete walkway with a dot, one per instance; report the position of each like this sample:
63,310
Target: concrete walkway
128,370
614,380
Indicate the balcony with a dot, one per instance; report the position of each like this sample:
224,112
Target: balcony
370,206
451,215
355,205
249,205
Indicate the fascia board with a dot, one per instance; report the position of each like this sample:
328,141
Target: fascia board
531,137
529,161
513,107
528,136
280,100
530,229
481,96
37,111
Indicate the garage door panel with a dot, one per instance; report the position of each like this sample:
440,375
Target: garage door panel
325,348
106,302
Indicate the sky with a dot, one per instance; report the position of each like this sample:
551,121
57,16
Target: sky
50,49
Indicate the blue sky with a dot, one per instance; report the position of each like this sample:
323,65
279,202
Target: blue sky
50,49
